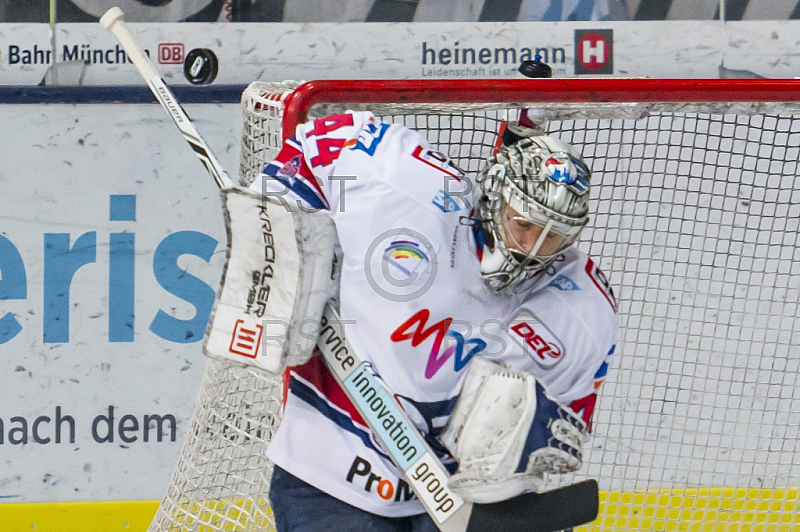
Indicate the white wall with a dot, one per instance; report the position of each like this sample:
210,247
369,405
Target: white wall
61,165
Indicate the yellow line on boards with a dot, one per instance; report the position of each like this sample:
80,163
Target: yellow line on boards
694,510
102,516
699,510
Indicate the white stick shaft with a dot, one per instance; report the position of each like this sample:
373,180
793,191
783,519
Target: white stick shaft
113,22
411,454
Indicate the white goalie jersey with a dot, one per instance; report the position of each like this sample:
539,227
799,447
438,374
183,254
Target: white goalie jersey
415,306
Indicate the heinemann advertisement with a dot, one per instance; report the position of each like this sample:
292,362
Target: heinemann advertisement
224,53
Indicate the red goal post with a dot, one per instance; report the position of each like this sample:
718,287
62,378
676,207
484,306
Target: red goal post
695,220
520,92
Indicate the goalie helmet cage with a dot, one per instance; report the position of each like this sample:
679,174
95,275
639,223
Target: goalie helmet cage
695,216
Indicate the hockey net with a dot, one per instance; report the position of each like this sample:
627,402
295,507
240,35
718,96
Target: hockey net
695,217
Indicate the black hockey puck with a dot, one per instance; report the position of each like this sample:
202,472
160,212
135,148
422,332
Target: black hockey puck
535,69
200,66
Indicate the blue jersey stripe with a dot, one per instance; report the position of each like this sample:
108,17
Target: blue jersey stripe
310,396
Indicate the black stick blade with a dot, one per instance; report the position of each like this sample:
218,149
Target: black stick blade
551,511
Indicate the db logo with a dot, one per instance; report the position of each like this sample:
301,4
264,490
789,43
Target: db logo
246,339
170,53
594,51
536,339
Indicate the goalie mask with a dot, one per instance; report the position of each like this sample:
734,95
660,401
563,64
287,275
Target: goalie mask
532,202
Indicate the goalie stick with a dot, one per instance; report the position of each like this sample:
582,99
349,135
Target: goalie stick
113,21
558,509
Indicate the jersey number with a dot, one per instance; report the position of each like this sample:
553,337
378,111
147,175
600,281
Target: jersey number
437,160
601,282
585,408
328,149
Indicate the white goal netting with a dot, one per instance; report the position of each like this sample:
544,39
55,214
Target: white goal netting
695,220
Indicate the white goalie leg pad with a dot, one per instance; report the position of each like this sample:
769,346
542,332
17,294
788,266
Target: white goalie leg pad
507,432
278,276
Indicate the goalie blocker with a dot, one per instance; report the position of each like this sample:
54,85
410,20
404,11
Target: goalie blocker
277,278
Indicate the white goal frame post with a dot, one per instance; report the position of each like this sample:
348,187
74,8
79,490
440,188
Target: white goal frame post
695,216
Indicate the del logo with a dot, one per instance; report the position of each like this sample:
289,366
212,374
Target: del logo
416,330
245,339
361,471
594,51
536,340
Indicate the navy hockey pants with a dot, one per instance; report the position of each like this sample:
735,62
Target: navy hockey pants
300,507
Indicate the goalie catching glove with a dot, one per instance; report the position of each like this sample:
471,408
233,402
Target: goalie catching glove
507,432
278,277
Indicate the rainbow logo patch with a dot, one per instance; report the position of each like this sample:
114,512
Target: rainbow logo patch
405,255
